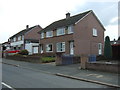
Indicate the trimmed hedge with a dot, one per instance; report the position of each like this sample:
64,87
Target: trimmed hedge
24,52
47,59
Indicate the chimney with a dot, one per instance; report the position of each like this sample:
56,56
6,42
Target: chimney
27,26
67,15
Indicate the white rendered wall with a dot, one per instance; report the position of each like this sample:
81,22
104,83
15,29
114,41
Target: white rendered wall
16,43
29,47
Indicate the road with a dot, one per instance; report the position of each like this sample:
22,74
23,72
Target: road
18,77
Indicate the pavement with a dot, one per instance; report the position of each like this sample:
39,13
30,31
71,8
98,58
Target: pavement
70,70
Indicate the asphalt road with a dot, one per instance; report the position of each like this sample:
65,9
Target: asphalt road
18,77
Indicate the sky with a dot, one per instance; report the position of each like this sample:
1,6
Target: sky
16,14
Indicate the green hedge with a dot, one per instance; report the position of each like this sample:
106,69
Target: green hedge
24,52
47,59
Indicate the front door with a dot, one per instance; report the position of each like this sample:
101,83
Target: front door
71,48
99,48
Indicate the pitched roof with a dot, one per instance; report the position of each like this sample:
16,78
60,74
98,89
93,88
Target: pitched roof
23,32
65,22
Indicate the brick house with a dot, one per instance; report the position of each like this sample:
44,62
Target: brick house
1,49
26,39
75,35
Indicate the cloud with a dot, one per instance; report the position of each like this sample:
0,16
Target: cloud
112,31
113,20
16,14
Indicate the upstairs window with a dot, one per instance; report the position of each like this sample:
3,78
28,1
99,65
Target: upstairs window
49,48
42,35
14,39
60,31
22,37
94,32
49,34
70,29
19,38
60,47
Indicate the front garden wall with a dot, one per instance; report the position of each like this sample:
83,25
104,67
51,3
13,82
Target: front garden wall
114,68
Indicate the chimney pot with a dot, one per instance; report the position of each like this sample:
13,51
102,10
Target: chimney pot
27,26
67,15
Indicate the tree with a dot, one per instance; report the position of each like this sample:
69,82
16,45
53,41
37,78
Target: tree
107,48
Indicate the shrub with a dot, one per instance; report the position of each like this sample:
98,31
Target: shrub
17,54
101,57
47,59
24,52
107,48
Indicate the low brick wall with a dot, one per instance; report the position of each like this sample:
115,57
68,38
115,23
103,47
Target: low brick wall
25,58
108,67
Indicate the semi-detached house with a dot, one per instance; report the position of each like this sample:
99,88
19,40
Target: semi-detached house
26,39
74,35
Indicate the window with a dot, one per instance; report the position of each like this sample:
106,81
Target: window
49,34
41,48
99,48
42,35
22,37
14,39
60,47
60,31
19,38
49,48
94,32
70,29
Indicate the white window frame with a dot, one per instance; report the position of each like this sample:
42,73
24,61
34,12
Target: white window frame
59,30
14,39
22,37
41,48
49,34
70,29
94,32
47,47
42,35
19,38
100,48
63,47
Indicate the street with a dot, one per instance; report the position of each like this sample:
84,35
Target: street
18,77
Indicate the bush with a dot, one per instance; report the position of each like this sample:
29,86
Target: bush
107,48
24,52
47,59
17,54
101,57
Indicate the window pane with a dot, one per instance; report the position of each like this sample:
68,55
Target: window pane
49,34
60,47
60,31
49,48
94,32
70,29
42,35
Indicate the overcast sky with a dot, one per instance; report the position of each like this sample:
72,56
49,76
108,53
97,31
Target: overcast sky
16,14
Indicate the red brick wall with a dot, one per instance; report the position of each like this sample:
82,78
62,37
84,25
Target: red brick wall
85,43
33,33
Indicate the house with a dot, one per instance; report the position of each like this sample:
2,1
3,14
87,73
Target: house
6,45
115,41
0,50
74,35
26,39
